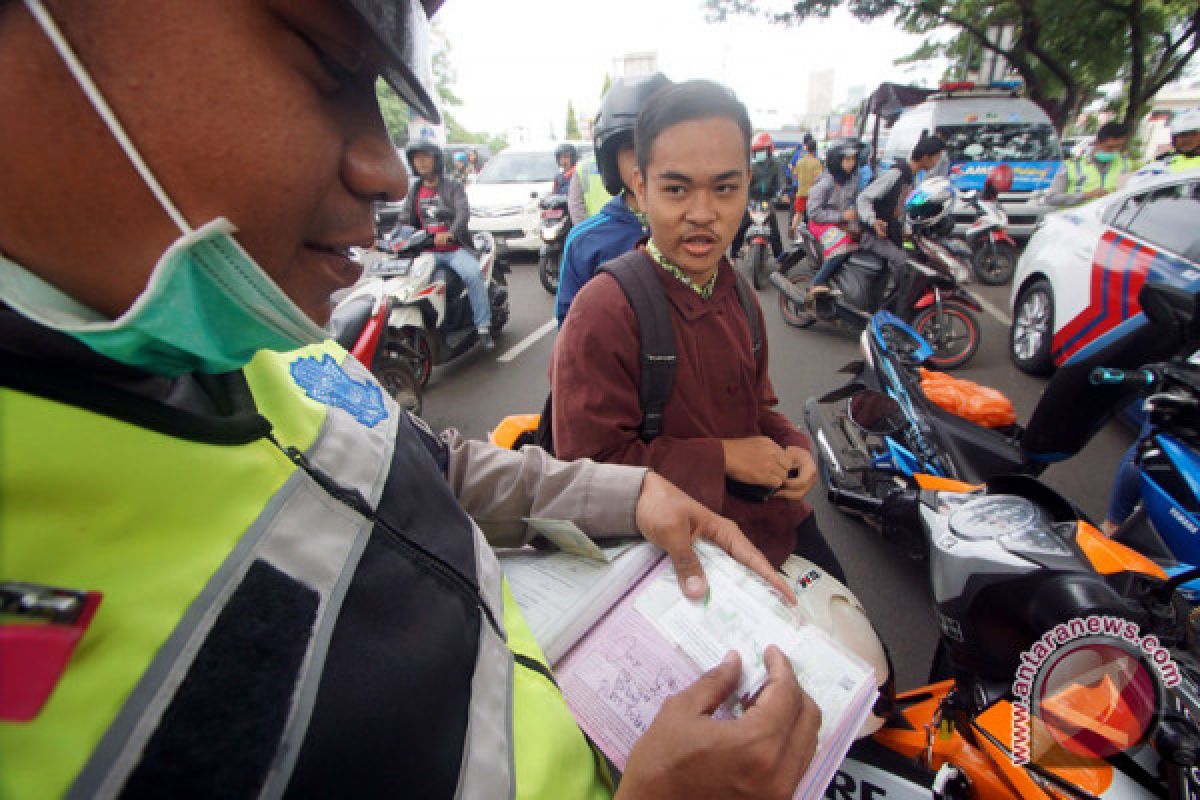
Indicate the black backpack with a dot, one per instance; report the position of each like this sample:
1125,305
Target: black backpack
638,277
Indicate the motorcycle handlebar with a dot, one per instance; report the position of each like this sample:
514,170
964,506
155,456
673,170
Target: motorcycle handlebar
1110,376
855,500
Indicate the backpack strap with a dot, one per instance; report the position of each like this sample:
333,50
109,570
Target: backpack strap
746,297
638,278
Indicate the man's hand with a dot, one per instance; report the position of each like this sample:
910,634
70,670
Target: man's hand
687,754
806,474
443,239
673,520
756,460
850,215
1094,193
880,227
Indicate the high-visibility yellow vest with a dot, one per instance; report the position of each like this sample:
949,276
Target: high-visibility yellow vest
594,193
174,527
1083,174
1181,163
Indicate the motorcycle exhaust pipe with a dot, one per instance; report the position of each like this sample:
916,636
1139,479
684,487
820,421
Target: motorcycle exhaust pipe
789,289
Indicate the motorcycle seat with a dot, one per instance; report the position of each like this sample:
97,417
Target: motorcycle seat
867,262
348,320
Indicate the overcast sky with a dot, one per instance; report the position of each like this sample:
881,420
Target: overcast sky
518,61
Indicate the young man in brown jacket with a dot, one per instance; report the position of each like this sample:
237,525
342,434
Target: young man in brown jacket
693,147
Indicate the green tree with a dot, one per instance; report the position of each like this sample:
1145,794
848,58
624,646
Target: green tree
1062,55
395,113
572,131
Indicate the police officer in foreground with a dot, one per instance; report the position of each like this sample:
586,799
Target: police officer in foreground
229,567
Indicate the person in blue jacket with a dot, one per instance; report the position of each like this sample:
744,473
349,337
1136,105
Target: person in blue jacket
619,224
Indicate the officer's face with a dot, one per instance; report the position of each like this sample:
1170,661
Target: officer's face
694,191
1114,145
1188,142
241,108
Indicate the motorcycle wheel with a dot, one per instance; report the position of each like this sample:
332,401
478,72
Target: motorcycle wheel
418,340
953,334
548,267
994,263
793,314
398,377
760,266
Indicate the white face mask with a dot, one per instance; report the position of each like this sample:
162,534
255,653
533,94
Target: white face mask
207,306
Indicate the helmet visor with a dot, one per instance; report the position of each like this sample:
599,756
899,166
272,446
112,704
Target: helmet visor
401,27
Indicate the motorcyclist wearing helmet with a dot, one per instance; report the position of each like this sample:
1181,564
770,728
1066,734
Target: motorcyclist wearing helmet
432,192
832,217
461,170
881,205
265,564
567,156
619,223
766,180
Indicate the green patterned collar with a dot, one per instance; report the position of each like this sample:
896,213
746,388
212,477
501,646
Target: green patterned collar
704,291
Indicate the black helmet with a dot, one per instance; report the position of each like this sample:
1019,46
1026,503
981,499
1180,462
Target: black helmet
614,122
426,146
401,28
836,153
566,148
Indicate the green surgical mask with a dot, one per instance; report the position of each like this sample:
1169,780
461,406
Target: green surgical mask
207,307
1104,157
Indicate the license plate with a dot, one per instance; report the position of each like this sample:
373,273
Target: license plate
392,266
552,213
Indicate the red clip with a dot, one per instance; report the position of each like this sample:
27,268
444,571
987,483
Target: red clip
34,654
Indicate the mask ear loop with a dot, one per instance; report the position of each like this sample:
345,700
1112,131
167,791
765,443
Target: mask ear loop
96,98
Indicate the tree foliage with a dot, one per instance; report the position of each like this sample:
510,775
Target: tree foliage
395,112
1063,52
572,128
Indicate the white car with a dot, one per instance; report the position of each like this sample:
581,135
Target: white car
1080,274
504,196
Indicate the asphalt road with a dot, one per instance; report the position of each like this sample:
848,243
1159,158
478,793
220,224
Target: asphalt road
475,392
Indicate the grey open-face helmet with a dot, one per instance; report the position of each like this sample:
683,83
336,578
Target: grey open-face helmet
401,27
614,122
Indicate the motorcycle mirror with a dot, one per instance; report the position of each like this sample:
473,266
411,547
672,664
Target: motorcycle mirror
876,412
1000,179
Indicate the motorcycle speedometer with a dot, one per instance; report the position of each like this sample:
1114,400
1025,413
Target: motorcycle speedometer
1015,523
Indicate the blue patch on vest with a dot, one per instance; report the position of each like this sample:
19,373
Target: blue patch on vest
326,382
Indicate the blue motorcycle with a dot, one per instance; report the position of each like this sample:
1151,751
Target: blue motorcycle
880,433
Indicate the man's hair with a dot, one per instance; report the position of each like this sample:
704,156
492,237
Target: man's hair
682,102
927,145
1112,130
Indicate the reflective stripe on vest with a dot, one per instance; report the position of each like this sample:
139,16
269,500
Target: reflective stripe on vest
132,696
594,193
1084,175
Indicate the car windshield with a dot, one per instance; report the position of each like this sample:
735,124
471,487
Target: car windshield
1011,141
527,167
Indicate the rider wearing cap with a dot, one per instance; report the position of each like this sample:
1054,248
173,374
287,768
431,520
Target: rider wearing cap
619,224
229,565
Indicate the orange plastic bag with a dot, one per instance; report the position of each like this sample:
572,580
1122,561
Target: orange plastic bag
982,405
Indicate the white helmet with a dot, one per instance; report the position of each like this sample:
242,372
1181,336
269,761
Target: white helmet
1186,122
832,608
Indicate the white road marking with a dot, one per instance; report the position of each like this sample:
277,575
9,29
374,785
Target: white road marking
1005,320
528,341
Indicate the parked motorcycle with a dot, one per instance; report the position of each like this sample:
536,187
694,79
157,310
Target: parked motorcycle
431,311
928,439
555,225
993,252
926,293
756,254
360,324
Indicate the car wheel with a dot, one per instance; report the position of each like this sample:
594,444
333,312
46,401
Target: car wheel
1032,332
